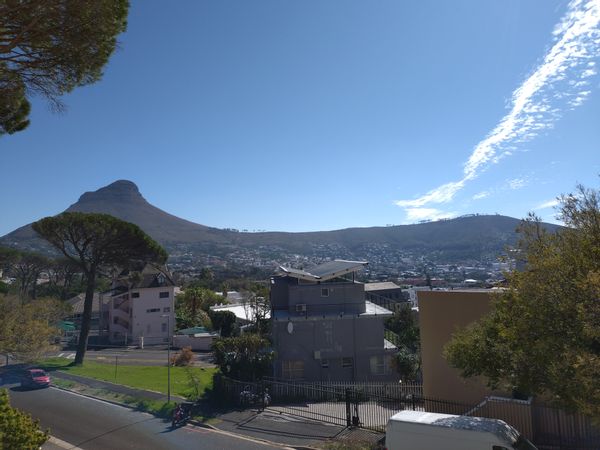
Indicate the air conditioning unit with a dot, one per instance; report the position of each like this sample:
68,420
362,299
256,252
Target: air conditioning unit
301,307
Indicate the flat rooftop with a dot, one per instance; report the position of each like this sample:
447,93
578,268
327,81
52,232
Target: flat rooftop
325,271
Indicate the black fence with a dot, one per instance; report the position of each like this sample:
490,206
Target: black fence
371,408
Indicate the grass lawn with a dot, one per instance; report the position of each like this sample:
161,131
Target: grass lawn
152,378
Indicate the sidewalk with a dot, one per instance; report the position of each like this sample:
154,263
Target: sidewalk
280,428
291,430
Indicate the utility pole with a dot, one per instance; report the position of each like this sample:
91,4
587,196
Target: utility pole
168,316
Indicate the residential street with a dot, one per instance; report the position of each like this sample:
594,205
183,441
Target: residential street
92,424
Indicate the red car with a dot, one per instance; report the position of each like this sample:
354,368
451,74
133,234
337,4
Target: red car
35,378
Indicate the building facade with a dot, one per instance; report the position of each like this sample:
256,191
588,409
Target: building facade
141,311
441,313
324,329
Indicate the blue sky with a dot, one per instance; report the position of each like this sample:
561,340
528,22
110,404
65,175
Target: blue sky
313,115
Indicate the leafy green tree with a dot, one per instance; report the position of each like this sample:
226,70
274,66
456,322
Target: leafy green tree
247,357
7,257
404,324
14,106
50,47
407,363
17,429
192,307
206,277
407,338
257,307
224,322
95,242
542,336
64,280
27,330
26,268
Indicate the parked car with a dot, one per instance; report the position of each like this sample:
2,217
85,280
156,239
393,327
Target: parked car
35,378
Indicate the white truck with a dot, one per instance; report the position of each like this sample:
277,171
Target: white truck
418,430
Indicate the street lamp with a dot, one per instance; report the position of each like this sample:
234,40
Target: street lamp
168,316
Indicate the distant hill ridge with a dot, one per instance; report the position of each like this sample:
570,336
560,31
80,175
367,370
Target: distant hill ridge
470,235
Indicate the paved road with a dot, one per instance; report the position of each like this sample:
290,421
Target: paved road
95,425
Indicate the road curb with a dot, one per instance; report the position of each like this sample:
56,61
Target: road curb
191,422
112,402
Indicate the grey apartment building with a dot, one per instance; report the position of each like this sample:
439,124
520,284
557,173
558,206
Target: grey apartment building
324,329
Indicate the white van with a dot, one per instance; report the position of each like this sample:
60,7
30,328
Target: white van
418,430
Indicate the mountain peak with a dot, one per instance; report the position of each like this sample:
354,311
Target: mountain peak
119,190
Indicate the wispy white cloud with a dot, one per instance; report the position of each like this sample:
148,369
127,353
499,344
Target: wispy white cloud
516,183
481,195
559,82
442,194
546,205
416,214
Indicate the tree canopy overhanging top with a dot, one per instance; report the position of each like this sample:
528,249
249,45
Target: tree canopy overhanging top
50,47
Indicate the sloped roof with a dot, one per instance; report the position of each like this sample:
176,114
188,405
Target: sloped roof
325,271
78,301
151,276
381,286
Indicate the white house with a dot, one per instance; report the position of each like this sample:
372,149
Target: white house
142,308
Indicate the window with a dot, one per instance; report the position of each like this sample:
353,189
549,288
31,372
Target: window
328,333
377,365
324,292
347,363
167,309
135,295
292,369
163,295
163,327
152,310
325,363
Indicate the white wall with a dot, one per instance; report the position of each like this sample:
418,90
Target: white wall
199,342
150,324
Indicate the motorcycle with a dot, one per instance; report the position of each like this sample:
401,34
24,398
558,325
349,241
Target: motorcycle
247,398
181,414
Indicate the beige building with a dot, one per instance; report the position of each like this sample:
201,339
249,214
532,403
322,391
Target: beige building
441,313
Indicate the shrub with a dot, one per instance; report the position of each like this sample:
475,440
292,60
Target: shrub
183,358
17,429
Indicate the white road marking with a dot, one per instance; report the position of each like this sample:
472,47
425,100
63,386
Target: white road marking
190,427
62,444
